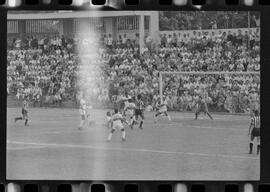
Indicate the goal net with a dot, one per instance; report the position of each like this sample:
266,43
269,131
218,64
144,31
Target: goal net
230,92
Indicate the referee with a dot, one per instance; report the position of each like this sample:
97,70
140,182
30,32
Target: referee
255,125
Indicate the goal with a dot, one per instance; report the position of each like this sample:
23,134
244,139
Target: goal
232,92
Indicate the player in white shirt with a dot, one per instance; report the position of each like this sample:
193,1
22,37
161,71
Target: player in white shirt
162,110
129,112
83,113
254,100
25,112
108,118
117,123
123,101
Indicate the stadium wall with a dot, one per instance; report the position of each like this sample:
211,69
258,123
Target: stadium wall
190,32
115,23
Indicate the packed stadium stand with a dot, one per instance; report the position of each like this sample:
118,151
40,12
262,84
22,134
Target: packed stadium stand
45,67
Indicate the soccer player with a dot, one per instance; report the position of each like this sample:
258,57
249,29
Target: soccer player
123,101
162,110
254,100
117,123
255,125
83,112
129,113
25,111
201,106
139,110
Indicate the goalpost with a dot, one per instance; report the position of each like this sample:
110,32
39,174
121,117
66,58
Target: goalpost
251,77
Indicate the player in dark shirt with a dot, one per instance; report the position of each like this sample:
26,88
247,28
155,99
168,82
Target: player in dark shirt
202,107
139,110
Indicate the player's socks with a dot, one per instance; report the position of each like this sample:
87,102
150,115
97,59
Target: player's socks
155,119
109,125
258,148
156,116
210,116
123,136
141,123
26,121
18,118
196,116
81,124
133,122
169,117
109,137
250,148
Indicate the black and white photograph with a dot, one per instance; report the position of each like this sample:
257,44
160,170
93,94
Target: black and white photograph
133,95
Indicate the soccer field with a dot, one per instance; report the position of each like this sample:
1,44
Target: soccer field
53,148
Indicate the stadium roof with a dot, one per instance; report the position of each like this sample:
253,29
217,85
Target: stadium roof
71,14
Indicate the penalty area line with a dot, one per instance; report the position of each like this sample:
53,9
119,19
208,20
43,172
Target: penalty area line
55,145
25,148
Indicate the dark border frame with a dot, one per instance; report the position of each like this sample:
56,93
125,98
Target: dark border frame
151,5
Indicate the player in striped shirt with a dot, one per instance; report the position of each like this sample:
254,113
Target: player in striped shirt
25,112
139,110
129,113
255,125
117,123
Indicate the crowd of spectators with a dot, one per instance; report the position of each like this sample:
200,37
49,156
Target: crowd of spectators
48,69
198,20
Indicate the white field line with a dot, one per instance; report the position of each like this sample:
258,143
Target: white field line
169,124
174,116
203,127
55,145
165,125
25,148
204,117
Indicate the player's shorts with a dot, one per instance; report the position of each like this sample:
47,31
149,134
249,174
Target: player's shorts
129,113
162,110
139,112
24,112
83,117
117,126
202,108
255,132
83,114
254,106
